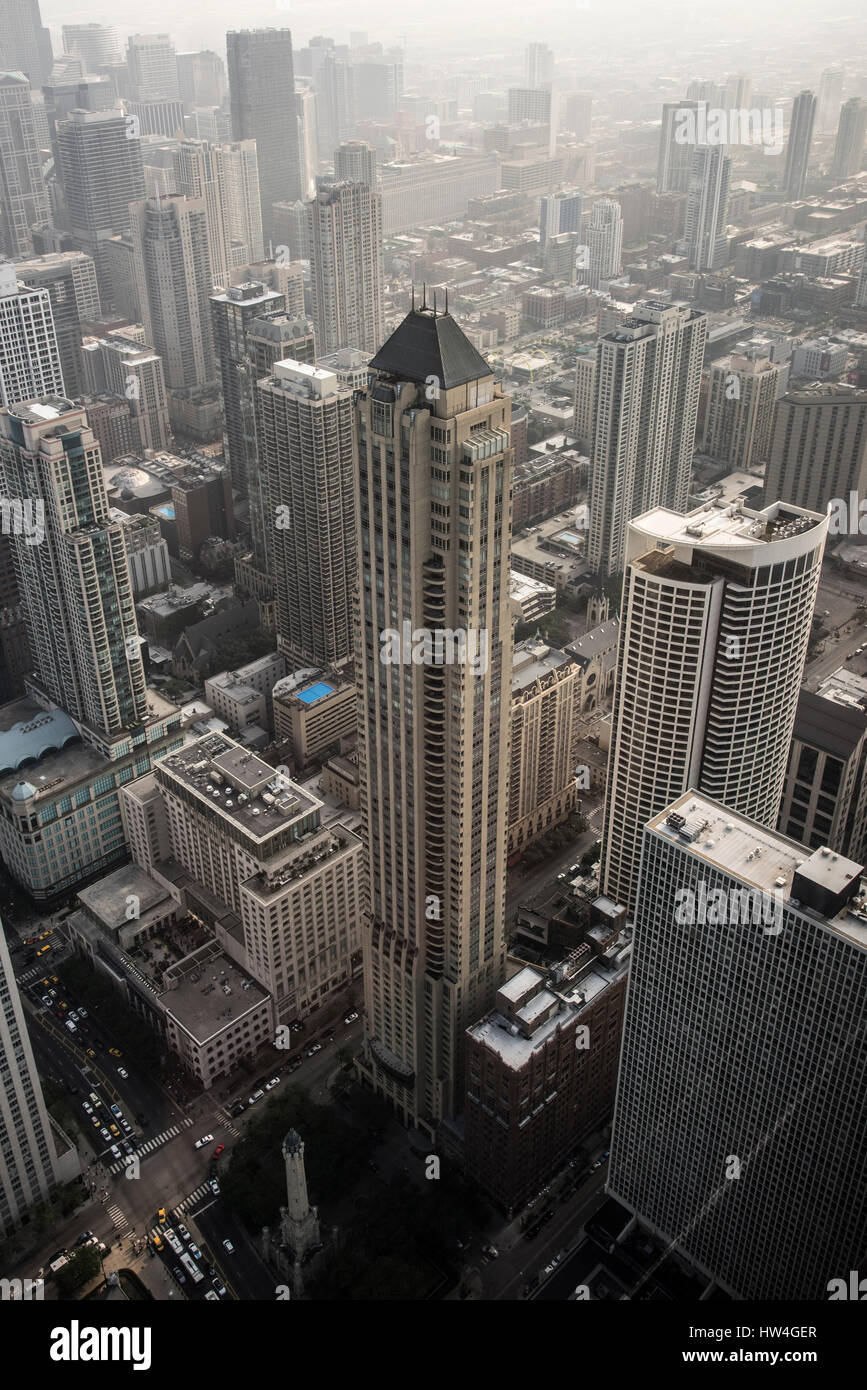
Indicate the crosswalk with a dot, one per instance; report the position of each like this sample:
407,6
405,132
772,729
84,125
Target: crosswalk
222,1118
119,1218
148,1147
203,1190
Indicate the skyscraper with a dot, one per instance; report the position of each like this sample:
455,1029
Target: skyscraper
262,96
152,67
674,165
335,105
28,1158
70,279
173,274
202,78
738,1132
133,373
849,149
707,207
308,150
25,43
75,586
29,354
95,43
100,165
605,242
714,627
23,197
226,177
355,162
818,446
433,491
798,145
559,213
742,396
646,391
345,227
307,462
538,65
830,97
232,312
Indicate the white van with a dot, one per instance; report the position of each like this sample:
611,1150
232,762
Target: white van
192,1269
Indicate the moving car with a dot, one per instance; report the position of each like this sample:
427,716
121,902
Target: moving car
115,1151
115,1110
218,1150
351,1018
87,1107
114,1052
228,1246
161,1216
269,1085
218,1285
94,1120
215,1187
115,1131
121,1072
205,1139
46,1000
105,1134
313,1049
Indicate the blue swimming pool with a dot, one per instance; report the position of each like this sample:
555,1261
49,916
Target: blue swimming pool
315,692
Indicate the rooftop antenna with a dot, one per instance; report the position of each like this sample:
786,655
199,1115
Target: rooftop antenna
447,300
435,303
424,294
413,298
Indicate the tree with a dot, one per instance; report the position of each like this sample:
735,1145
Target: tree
80,1269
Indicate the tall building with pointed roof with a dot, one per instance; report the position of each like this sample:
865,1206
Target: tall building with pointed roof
433,661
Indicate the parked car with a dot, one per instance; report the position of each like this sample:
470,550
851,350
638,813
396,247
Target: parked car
269,1085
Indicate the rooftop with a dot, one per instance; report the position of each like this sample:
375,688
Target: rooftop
428,344
722,529
828,724
532,660
211,997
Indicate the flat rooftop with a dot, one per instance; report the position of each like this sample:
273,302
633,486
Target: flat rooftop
238,784
758,856
532,660
212,997
108,898
721,527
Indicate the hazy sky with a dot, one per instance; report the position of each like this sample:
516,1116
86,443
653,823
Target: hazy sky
492,27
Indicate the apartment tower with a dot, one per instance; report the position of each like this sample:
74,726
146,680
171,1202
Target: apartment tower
345,229
433,666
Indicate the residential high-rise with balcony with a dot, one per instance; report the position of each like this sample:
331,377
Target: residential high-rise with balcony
645,405
23,196
70,279
307,462
133,373
226,178
674,165
29,354
355,162
707,207
96,45
738,1134
345,230
559,213
175,284
714,628
75,584
742,396
262,98
798,145
432,493
605,242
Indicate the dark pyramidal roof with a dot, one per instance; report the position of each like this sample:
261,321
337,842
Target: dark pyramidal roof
428,344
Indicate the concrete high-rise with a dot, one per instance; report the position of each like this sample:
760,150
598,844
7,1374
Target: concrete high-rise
70,279
674,164
605,243
133,373
75,585
28,1157
232,312
152,67
851,132
646,393
798,145
742,397
355,162
96,44
262,97
559,213
226,177
818,447
307,462
538,65
738,1134
173,274
345,227
707,207
433,666
23,196
830,97
25,43
100,166
29,354
714,628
